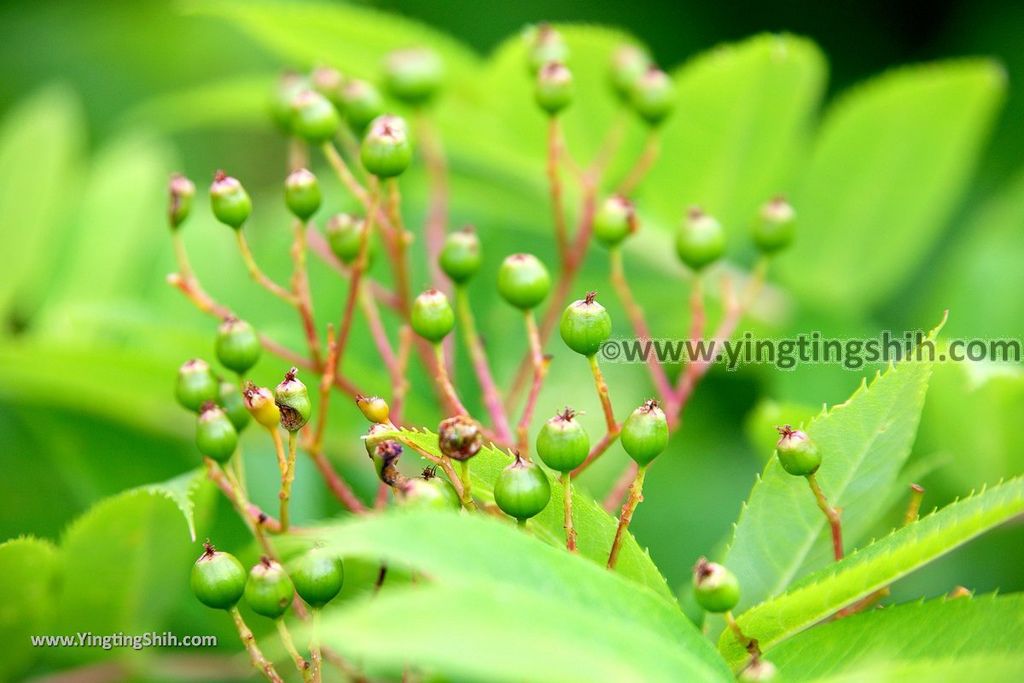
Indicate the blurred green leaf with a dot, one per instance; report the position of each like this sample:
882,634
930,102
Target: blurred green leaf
227,103
182,491
29,568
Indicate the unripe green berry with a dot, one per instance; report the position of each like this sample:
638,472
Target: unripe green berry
218,578
758,671
715,587
259,401
629,64
545,44
385,458
432,493
798,455
522,489
314,118
653,96
196,385
432,316
229,200
329,82
216,437
459,437
563,443
289,85
362,103
269,591
523,281
302,194
386,151
777,226
585,325
318,576
414,75
234,406
645,433
292,398
554,88
614,221
460,256
345,235
700,240
374,408
238,345
181,190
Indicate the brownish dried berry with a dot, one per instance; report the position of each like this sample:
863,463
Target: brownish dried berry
459,437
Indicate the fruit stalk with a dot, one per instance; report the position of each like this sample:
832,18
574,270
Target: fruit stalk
261,663
635,496
481,365
602,393
303,297
257,273
831,513
437,198
540,367
288,478
445,382
555,188
570,532
301,664
647,159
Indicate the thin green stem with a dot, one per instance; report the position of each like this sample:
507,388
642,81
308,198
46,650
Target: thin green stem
540,366
602,393
289,477
467,483
570,532
831,514
289,645
636,494
257,273
261,663
314,648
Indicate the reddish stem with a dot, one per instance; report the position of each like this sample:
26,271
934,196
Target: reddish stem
540,367
437,202
635,496
649,155
555,187
481,366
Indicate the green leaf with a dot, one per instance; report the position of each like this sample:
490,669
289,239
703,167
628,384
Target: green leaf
885,174
874,567
594,527
29,568
227,103
469,553
926,636
181,491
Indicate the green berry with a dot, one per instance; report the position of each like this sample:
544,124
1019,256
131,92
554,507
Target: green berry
234,406
777,226
196,385
218,578
345,235
629,64
700,240
460,256
715,587
292,399
413,75
653,96
614,221
314,118
229,200
302,194
562,443
374,408
522,489
238,346
523,281
318,576
362,103
554,89
545,44
798,455
758,671
259,401
269,591
429,492
459,437
216,437
329,82
289,85
645,433
432,316
179,205
585,325
385,458
386,151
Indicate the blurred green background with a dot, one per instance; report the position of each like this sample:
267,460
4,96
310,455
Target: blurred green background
100,101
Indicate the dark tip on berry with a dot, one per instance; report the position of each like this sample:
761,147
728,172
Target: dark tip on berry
917,488
520,461
220,175
429,473
786,431
591,297
650,405
468,229
208,549
702,569
694,212
250,390
207,407
262,519
566,415
290,375
265,561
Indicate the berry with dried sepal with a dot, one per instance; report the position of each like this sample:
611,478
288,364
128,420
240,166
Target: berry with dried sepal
289,85
238,345
329,82
522,489
653,96
234,406
318,576
460,256
216,437
715,587
700,240
362,103
302,194
230,202
196,384
429,492
459,437
554,89
523,281
386,151
181,190
269,591
777,226
414,75
614,221
585,325
218,578
314,118
645,433
545,44
563,443
292,399
759,670
629,64
345,236
385,458
432,316
798,454
374,408
259,401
